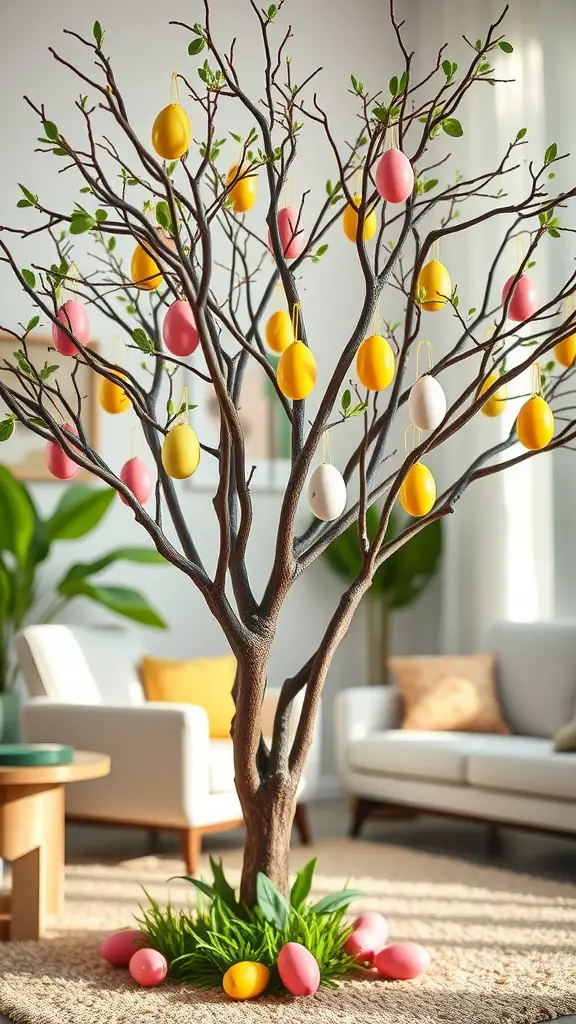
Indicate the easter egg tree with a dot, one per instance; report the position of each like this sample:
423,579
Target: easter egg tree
159,212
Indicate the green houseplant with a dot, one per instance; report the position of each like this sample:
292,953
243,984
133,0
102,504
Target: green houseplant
399,581
26,541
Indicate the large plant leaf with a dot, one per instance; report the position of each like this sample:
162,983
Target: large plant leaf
337,900
17,519
273,905
302,883
79,511
222,886
6,592
121,600
144,556
202,887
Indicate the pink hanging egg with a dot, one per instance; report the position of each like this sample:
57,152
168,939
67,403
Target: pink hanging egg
394,176
137,477
148,967
403,961
179,329
74,316
374,922
59,463
298,969
524,301
291,232
363,944
119,948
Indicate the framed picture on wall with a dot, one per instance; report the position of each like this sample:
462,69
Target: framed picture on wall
25,453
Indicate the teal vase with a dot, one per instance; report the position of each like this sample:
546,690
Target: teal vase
9,709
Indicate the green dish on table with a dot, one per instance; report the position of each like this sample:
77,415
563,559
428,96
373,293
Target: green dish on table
34,755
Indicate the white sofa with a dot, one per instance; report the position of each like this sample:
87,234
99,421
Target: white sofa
167,774
516,779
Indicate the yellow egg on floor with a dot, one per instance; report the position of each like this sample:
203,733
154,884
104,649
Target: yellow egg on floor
535,424
113,398
434,280
565,351
375,363
418,491
171,132
144,270
181,452
245,192
350,222
245,980
496,404
296,371
279,331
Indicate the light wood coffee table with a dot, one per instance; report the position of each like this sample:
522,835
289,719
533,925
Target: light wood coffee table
32,838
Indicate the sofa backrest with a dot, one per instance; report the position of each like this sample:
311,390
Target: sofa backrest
81,664
536,674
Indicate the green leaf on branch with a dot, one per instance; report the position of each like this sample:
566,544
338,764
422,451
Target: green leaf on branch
32,324
23,202
164,216
111,244
47,371
6,429
101,216
317,256
58,151
271,12
451,126
471,312
145,344
550,154
23,363
32,199
346,401
449,69
403,83
554,232
425,186
29,277
196,46
357,85
380,113
80,223
35,421
506,47
50,130
520,135
98,33
273,905
478,44
393,86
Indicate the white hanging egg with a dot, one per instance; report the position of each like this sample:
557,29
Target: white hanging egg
327,492
427,403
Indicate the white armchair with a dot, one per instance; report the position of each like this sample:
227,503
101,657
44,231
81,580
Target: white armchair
167,773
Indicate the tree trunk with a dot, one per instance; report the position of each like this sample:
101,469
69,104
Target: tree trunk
268,821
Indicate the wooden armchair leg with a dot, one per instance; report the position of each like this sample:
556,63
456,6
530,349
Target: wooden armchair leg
302,824
191,842
361,810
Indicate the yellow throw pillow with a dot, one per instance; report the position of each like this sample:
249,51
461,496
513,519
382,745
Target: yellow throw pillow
449,693
207,682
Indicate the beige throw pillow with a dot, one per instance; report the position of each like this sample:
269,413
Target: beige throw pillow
565,738
449,693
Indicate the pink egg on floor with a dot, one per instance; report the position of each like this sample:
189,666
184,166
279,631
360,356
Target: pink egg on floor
298,969
374,922
290,231
148,967
137,477
74,316
179,329
58,462
119,948
403,961
363,944
394,176
524,301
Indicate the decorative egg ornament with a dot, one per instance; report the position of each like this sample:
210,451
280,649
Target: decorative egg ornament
179,329
144,270
74,316
148,967
279,331
363,945
403,961
427,403
394,176
435,281
290,231
298,969
372,921
535,424
350,222
524,301
113,398
245,980
172,132
119,948
245,192
418,491
375,363
138,479
565,351
58,462
496,404
181,452
296,371
327,493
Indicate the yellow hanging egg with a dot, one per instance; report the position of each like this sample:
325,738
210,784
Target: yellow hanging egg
565,351
497,402
375,363
296,371
245,980
245,191
279,331
418,491
535,424
350,222
171,132
113,398
181,452
435,280
144,271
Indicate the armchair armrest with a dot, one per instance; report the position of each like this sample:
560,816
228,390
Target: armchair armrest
359,711
159,754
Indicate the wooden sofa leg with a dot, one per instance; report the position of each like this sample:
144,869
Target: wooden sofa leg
302,824
361,810
191,841
494,841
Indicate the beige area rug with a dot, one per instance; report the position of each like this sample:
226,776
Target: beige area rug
503,947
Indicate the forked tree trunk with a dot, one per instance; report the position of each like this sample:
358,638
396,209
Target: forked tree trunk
268,821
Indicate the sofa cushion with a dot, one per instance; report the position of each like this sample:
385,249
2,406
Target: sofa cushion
524,765
400,752
536,674
221,766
